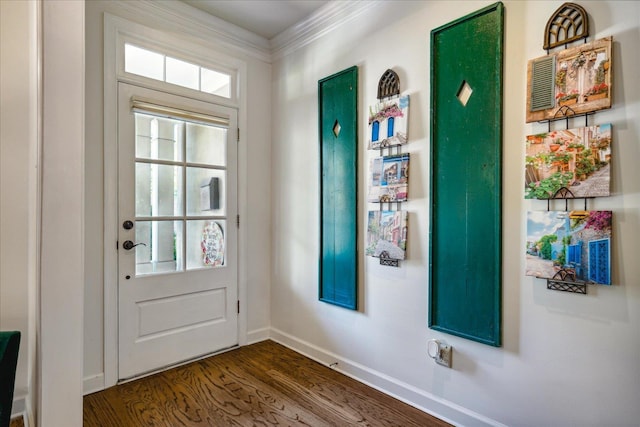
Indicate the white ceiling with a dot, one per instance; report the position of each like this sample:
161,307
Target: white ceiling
266,18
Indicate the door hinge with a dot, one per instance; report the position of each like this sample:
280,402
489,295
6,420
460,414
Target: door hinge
238,136
238,221
238,306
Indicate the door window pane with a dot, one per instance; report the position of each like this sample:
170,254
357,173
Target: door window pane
180,173
206,145
163,250
158,190
206,244
158,138
206,192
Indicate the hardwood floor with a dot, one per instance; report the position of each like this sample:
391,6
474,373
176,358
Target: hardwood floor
264,384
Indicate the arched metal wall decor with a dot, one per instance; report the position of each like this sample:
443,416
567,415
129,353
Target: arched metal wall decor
565,85
388,131
578,76
389,84
569,23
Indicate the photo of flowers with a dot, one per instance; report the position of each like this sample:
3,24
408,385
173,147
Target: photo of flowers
577,159
576,243
579,79
388,123
387,234
389,178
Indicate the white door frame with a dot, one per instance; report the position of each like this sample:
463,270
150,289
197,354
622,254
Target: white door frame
116,31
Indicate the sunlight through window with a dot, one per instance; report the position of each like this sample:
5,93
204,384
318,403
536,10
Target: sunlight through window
154,65
182,73
143,62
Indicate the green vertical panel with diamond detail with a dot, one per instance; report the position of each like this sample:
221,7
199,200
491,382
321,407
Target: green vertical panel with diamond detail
338,111
465,286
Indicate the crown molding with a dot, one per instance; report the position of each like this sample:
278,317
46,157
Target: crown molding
185,19
182,18
324,20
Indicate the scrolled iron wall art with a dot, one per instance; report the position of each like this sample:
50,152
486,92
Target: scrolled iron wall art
389,85
569,23
569,82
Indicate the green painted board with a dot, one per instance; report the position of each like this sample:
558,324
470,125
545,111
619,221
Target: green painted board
338,112
465,283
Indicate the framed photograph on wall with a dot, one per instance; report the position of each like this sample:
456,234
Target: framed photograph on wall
387,234
577,159
578,242
389,178
578,78
388,122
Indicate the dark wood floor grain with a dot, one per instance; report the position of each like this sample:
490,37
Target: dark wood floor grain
17,422
264,384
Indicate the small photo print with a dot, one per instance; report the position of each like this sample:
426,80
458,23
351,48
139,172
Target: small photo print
576,243
388,123
576,159
576,80
389,178
387,234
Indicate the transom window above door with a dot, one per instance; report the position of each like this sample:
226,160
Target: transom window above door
158,66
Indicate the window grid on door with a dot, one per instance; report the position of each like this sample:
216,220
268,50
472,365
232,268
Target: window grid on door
179,224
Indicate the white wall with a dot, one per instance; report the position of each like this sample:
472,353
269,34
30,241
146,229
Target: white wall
567,359
254,167
18,184
41,210
60,320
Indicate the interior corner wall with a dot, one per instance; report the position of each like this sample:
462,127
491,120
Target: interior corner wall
254,180
18,186
61,275
567,359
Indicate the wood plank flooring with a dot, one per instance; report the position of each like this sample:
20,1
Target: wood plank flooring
264,384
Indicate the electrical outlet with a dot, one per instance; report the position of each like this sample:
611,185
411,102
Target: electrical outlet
443,356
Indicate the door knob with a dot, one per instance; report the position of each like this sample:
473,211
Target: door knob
128,244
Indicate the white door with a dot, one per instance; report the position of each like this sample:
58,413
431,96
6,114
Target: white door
177,239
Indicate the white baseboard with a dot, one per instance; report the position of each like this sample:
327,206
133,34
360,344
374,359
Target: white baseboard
426,402
96,382
258,335
92,384
19,409
19,406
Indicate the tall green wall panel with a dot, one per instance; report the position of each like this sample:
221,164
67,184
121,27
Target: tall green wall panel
338,111
465,286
